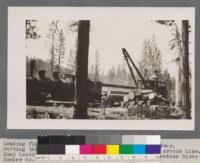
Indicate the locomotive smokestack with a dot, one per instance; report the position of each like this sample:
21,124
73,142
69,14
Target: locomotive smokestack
32,66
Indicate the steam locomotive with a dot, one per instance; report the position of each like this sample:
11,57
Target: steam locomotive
42,91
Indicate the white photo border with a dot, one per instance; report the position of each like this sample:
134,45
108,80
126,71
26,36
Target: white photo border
16,96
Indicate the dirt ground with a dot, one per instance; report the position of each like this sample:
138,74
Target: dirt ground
117,113
62,112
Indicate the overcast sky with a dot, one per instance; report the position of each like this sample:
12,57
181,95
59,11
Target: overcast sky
109,35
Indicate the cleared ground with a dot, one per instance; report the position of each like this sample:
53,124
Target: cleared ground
118,113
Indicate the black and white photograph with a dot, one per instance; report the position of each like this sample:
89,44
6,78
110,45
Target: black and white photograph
104,65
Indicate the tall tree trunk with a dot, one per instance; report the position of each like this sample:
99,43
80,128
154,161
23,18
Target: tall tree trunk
178,77
185,68
81,83
178,80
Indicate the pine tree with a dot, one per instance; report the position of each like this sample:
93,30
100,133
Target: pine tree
118,75
61,48
52,38
32,29
151,59
71,63
181,44
111,75
97,70
31,33
91,72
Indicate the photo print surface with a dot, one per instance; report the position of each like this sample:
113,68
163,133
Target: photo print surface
79,66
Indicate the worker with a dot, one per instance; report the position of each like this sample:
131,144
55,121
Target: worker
42,76
154,76
140,84
154,79
56,76
104,101
145,74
